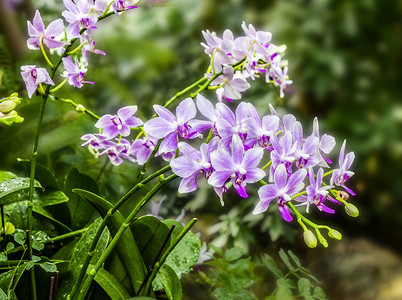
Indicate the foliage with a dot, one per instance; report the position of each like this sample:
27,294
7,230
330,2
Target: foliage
231,275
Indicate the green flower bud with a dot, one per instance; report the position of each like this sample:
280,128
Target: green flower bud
80,108
310,239
323,241
334,234
351,210
7,106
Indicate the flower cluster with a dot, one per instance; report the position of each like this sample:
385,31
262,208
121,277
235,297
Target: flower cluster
257,54
82,16
113,126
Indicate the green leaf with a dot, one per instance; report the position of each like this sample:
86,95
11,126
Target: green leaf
81,211
11,276
304,287
10,246
239,265
37,245
3,295
42,174
48,267
150,234
217,250
294,258
127,246
42,211
110,285
19,238
319,293
80,251
270,263
5,175
167,278
49,198
185,255
15,190
233,254
283,292
286,260
3,257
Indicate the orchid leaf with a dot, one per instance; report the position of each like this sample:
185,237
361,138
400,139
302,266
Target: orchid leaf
16,190
150,234
167,278
126,247
110,285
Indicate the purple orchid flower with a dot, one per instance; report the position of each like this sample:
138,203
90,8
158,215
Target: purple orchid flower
325,145
168,127
283,151
33,76
340,176
306,149
95,141
120,123
75,74
241,166
89,46
80,15
206,108
192,162
232,84
229,124
143,148
283,189
260,131
117,151
36,30
261,39
219,48
122,5
317,193
281,78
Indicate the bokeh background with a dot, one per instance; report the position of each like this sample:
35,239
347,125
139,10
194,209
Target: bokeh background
345,61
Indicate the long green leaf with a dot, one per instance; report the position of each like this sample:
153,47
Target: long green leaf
42,174
110,285
127,246
167,277
11,190
150,234
81,212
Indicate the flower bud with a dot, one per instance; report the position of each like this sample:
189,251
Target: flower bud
80,108
323,241
351,210
7,106
335,234
310,239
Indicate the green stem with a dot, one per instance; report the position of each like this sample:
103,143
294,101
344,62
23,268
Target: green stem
78,107
84,289
267,165
161,261
77,49
58,87
42,49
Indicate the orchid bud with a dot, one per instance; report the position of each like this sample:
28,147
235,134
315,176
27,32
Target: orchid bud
310,239
351,210
7,106
334,234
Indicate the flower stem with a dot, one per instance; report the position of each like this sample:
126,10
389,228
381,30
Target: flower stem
78,107
42,49
267,165
77,49
58,87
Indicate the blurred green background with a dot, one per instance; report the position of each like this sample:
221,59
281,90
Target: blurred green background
344,60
